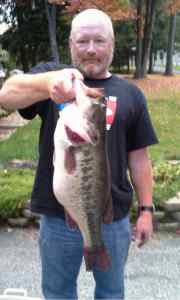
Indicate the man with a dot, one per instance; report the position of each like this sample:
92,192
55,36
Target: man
130,132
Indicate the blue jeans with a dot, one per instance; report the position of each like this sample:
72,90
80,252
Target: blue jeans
61,251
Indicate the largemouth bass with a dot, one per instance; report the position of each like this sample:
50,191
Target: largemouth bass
81,181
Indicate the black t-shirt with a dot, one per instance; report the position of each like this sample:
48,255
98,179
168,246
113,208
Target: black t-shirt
131,130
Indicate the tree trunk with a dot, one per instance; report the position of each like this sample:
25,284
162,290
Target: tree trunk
151,62
149,21
170,46
139,25
24,58
22,46
51,16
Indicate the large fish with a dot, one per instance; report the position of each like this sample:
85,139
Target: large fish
81,181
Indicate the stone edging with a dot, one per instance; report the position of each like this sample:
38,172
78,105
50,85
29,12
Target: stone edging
32,219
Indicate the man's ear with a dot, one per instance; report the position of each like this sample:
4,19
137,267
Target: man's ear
114,42
70,42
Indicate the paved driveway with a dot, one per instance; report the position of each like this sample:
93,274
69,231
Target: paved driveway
152,272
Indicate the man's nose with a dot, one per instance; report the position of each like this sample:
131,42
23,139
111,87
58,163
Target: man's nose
91,47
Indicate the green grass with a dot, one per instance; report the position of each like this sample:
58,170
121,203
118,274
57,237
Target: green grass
165,116
23,144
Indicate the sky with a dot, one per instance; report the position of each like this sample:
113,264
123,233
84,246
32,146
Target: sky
3,27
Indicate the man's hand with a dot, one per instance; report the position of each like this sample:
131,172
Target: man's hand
143,228
61,84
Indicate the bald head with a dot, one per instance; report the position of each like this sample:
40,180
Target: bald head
92,43
92,17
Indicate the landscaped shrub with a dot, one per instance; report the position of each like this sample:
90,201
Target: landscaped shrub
166,185
15,190
166,181
16,186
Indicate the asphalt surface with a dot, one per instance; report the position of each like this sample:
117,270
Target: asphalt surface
153,273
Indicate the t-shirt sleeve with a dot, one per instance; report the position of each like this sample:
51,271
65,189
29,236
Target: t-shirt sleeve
141,133
38,108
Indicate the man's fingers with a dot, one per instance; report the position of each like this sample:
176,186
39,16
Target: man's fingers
61,87
76,75
80,90
141,239
95,92
68,83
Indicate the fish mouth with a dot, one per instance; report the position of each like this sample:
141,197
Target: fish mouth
77,139
74,137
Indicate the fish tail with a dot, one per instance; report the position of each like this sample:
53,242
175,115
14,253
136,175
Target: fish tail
98,258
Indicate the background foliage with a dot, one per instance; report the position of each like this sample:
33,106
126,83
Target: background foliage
28,38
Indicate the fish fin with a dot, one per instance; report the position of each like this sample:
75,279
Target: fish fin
97,258
107,216
108,212
70,160
69,221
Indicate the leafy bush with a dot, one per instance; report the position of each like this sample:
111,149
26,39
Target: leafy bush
15,190
16,186
166,185
166,181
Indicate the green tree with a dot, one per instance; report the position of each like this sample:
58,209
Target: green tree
27,39
51,17
27,34
159,35
172,7
30,34
124,45
4,56
170,45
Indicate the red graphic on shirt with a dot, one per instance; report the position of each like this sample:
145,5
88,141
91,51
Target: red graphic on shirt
110,111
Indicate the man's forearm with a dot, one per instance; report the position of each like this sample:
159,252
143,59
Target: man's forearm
141,176
142,181
23,90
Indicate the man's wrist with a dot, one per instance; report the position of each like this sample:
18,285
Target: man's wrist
146,208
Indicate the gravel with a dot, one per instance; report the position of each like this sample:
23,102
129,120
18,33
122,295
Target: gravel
152,272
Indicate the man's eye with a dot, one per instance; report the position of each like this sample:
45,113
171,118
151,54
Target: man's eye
100,41
82,42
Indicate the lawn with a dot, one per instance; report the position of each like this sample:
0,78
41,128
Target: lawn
163,94
23,144
165,116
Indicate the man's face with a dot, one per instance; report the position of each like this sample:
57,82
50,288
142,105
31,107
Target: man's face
92,50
